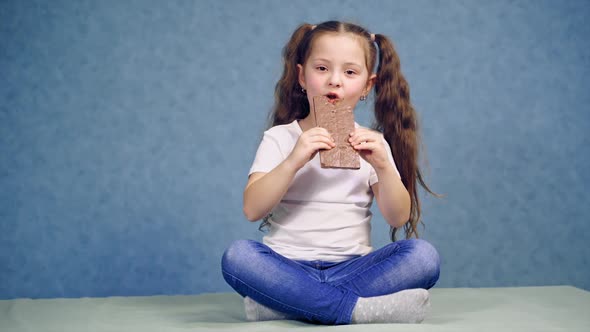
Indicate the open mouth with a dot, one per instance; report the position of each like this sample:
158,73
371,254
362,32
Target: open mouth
332,97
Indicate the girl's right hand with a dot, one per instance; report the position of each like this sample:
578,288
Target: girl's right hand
308,145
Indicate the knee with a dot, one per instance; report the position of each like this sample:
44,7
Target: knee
235,252
428,258
239,264
238,255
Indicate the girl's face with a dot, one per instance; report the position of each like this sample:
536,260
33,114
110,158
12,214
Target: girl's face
336,68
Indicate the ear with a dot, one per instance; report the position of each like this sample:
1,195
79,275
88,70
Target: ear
370,83
301,75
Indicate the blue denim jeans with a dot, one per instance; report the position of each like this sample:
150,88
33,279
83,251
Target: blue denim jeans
325,292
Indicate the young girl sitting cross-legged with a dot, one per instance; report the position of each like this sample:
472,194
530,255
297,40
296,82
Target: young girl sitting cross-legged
316,263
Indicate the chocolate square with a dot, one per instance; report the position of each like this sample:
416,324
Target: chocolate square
338,118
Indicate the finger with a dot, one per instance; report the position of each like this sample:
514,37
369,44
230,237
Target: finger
319,131
325,135
366,146
322,139
323,146
361,139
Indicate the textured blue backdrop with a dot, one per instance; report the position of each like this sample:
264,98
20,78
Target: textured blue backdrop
127,129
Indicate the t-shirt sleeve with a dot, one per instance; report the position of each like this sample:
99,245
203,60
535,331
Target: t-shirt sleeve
268,155
373,176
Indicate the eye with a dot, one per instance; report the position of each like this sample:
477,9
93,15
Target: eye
322,68
350,72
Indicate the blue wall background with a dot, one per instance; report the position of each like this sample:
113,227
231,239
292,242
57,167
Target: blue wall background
127,129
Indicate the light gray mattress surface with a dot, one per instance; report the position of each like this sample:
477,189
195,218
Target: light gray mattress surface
556,308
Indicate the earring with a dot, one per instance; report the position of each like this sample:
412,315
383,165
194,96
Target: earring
303,90
363,98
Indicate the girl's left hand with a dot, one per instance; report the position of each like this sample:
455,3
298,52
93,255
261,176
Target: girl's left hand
371,146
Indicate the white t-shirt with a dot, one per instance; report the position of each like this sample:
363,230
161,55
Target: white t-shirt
325,214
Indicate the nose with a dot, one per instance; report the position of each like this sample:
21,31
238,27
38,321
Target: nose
335,80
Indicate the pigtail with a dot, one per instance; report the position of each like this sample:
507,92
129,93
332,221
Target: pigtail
290,101
396,118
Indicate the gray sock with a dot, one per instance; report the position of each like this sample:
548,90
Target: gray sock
257,312
407,306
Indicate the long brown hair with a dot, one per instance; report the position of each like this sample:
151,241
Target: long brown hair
395,116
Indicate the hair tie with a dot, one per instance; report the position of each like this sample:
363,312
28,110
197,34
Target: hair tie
313,27
372,37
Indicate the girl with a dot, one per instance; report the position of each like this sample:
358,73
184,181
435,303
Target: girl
316,263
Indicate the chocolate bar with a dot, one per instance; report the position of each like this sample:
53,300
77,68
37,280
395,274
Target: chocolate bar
338,118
